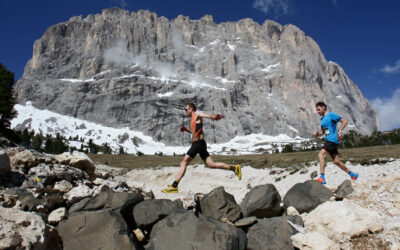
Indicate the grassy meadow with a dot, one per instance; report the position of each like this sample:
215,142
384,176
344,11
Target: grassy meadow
284,160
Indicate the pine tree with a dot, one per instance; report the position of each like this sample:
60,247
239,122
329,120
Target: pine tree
6,97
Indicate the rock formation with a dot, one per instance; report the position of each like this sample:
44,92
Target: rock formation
137,70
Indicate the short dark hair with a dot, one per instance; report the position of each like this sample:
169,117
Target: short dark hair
192,105
321,104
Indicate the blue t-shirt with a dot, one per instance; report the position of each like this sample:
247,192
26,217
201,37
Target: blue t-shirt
328,125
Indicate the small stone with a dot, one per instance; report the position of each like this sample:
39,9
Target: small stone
78,193
139,235
57,215
313,174
246,221
375,228
291,211
63,186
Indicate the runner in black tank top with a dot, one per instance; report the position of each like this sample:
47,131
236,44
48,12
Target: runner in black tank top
199,146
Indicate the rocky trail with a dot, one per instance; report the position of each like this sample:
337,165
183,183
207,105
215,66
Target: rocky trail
67,202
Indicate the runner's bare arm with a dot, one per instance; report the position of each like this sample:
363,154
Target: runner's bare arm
212,117
344,124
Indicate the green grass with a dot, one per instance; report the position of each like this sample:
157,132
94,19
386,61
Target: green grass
293,160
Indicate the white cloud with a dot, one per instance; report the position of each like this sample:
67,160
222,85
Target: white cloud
119,54
277,7
388,110
392,69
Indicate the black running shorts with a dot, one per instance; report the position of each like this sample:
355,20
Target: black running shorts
331,147
199,147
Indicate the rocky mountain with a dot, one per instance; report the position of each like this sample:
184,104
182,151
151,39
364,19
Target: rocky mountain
137,70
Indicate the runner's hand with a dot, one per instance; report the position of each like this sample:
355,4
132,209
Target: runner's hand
183,129
340,137
218,117
315,134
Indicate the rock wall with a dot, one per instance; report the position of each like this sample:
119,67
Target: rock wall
137,70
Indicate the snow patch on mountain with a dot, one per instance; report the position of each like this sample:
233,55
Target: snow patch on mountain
47,122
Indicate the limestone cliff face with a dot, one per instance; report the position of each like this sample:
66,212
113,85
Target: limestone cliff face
137,70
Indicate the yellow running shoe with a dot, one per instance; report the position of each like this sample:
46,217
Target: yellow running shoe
238,172
170,189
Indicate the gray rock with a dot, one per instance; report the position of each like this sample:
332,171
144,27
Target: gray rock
262,201
27,201
184,230
78,160
277,65
68,173
63,186
116,201
343,190
313,174
103,229
306,196
5,166
272,233
43,173
57,215
219,204
148,212
24,230
53,201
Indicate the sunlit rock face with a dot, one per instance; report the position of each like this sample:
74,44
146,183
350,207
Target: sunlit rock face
138,70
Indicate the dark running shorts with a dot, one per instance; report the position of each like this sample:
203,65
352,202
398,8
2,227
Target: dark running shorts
199,147
331,147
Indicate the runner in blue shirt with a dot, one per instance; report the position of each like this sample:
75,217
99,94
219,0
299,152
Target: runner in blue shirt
333,136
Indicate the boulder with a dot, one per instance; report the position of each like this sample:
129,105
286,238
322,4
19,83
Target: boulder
57,215
68,173
5,166
108,199
343,190
24,160
272,233
104,229
78,193
63,186
27,201
78,160
24,230
313,241
306,196
148,212
53,201
262,201
43,173
340,220
219,204
182,229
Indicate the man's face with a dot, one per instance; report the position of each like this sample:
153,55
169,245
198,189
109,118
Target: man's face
321,110
188,110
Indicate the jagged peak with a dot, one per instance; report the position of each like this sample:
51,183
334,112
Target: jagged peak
208,19
113,11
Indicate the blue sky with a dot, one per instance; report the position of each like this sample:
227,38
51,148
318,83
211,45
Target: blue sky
362,36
